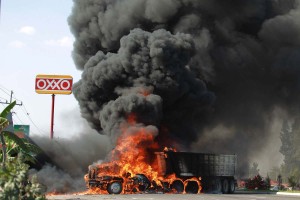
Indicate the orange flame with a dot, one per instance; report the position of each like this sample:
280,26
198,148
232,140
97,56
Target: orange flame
133,155
131,119
144,92
53,193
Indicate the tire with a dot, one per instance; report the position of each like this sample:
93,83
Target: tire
225,186
191,187
231,187
217,186
114,188
178,186
143,182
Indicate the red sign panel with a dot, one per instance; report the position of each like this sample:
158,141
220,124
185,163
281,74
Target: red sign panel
53,84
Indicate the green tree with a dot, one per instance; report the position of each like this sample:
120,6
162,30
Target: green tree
294,177
11,143
290,149
13,148
287,148
15,182
4,123
292,181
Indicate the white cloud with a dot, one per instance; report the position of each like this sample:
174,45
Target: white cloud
28,30
17,44
63,42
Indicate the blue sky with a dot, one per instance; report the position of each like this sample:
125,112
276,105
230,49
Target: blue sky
35,39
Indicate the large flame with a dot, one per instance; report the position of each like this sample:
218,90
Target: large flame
134,155
131,154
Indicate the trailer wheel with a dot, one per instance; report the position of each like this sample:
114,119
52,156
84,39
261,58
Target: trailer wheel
231,186
225,186
178,186
191,187
114,188
217,186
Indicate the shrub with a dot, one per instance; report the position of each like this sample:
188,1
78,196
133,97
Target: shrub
292,181
256,183
15,183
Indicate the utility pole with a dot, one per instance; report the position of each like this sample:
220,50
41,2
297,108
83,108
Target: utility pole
11,94
9,115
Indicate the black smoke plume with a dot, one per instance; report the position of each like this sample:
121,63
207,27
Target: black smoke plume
217,71
63,162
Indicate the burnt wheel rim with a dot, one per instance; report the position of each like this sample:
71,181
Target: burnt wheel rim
115,187
178,186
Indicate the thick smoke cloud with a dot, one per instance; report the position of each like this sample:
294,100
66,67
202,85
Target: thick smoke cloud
148,76
67,159
217,70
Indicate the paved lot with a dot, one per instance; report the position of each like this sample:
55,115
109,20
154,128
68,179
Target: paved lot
176,197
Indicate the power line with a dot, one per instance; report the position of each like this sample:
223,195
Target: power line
15,114
5,88
28,116
11,98
3,102
3,98
7,93
37,128
34,124
23,108
4,91
14,97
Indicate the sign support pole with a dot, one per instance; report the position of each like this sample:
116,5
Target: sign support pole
53,84
52,116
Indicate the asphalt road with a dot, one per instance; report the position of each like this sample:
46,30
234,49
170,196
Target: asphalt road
176,197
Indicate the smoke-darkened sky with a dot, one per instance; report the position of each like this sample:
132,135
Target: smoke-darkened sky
218,73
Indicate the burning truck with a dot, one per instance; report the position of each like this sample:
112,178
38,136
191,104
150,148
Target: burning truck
177,172
191,67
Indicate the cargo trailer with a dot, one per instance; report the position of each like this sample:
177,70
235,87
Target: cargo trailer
217,171
192,172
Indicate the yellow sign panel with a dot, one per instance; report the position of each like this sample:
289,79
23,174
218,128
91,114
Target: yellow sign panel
53,84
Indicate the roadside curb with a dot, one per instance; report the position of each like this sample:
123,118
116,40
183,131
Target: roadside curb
253,192
269,192
288,193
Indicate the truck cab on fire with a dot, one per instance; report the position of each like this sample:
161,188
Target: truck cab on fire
180,172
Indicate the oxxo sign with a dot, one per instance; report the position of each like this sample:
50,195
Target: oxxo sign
53,84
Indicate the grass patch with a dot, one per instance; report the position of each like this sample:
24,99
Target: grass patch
290,191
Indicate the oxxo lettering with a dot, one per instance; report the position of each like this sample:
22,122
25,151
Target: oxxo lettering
53,84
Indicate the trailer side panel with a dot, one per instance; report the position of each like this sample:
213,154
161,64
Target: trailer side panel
186,164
